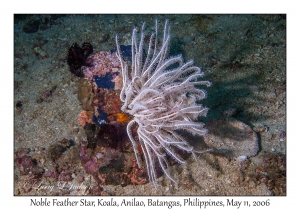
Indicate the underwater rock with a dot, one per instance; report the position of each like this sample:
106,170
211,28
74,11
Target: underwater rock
106,153
51,174
85,95
40,52
45,95
22,152
101,63
110,164
25,164
28,166
55,151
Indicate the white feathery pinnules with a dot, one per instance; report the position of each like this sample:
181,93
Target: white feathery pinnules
161,95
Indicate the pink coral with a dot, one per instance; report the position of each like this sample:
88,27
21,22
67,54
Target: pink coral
101,63
92,166
83,118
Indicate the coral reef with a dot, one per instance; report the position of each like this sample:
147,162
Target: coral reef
105,70
100,117
83,118
37,167
102,153
161,95
85,95
107,162
135,176
99,92
102,63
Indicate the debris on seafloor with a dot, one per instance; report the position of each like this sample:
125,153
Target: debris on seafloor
40,165
232,138
46,95
38,51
